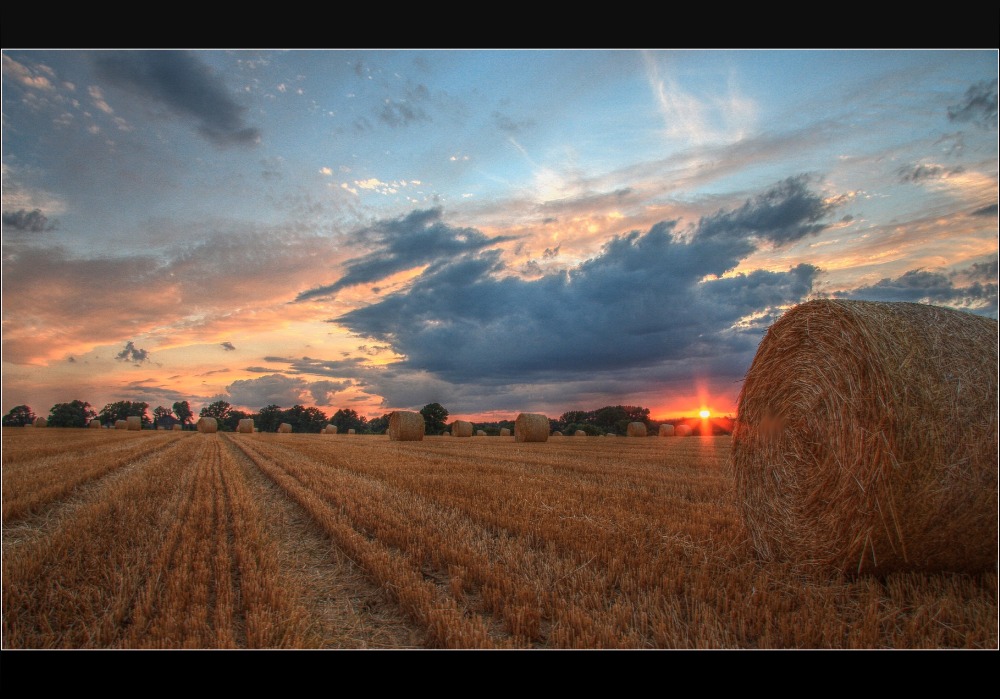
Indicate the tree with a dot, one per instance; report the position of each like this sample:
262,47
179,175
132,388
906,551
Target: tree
122,409
379,425
232,420
269,417
76,413
219,410
348,419
435,418
304,419
182,409
19,416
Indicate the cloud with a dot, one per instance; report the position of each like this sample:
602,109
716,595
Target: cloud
26,221
979,106
509,125
183,84
323,391
279,389
404,112
405,243
228,346
28,77
132,354
654,301
920,172
923,286
988,210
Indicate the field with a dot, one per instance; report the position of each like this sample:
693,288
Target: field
116,539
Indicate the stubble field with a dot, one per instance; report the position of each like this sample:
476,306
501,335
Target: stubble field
117,539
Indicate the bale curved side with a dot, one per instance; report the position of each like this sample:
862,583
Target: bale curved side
461,428
208,425
121,425
406,426
579,433
285,428
245,426
666,430
683,430
531,427
636,429
94,424
134,423
505,432
866,439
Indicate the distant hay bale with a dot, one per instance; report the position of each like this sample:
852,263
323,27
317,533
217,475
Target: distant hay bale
330,429
94,424
177,428
351,431
683,430
531,427
41,422
480,433
505,432
446,433
557,433
208,425
134,423
461,428
579,433
636,429
121,425
866,439
666,430
406,426
285,428
245,426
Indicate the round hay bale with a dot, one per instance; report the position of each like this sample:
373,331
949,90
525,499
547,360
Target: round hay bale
177,428
446,433
505,432
330,429
208,425
666,430
579,433
94,424
480,433
557,433
531,427
636,429
866,439
134,423
285,428
683,430
41,422
406,426
121,425
245,426
461,428
350,431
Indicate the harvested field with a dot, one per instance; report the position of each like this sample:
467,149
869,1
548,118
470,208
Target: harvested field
295,541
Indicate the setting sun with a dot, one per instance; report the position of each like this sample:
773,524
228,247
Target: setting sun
704,413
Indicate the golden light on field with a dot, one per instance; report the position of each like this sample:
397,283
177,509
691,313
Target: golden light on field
704,413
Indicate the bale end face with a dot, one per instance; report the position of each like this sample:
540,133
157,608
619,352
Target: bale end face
461,428
134,423
636,429
285,428
245,426
666,430
504,432
208,425
866,439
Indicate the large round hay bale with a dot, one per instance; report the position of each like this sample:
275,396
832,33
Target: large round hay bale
636,429
330,429
94,424
579,433
41,422
208,425
866,439
177,427
285,428
505,431
134,423
683,430
121,425
531,427
461,428
666,430
406,426
245,426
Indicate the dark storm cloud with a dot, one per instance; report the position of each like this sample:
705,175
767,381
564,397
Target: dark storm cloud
404,243
403,112
984,271
979,106
645,299
922,286
337,368
279,389
988,210
131,353
184,85
919,173
322,391
228,346
25,221
510,125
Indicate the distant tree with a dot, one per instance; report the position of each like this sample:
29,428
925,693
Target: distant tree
219,410
347,419
269,417
232,420
122,409
304,419
435,418
182,409
379,425
160,412
76,413
19,416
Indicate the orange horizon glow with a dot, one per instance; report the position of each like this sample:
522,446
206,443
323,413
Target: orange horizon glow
704,413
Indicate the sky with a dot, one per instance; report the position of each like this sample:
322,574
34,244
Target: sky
495,231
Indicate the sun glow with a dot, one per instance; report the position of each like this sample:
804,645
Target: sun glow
704,413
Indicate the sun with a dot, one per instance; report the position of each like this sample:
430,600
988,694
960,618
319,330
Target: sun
704,413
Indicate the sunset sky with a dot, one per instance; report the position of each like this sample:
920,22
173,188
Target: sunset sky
496,231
